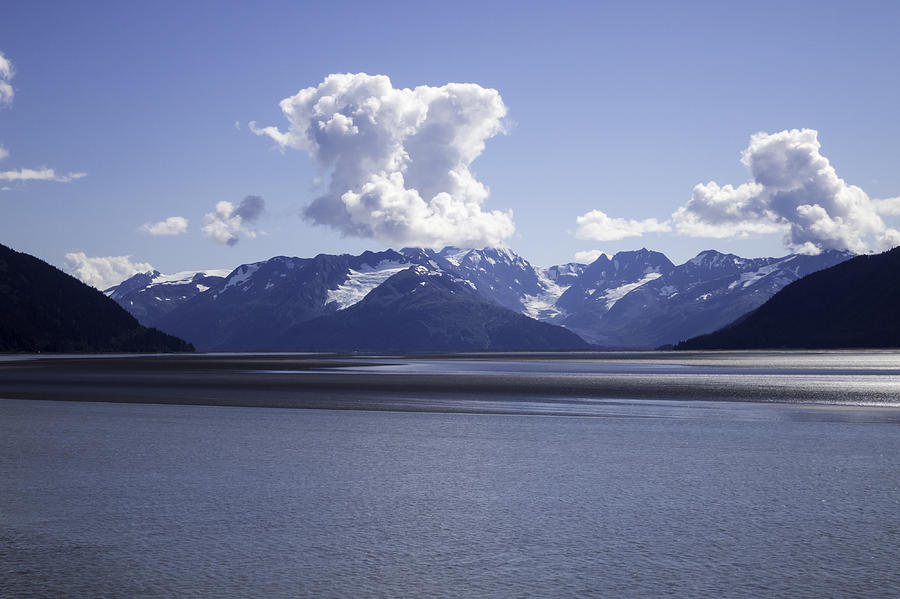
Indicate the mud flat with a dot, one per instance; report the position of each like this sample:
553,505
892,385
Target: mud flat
504,383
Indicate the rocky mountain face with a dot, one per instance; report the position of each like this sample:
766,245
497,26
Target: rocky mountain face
149,296
258,302
672,303
635,299
42,309
850,305
425,310
603,283
497,274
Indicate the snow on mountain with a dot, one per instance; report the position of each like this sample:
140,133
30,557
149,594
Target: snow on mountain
553,281
360,282
564,274
424,309
611,296
607,280
240,275
498,274
699,296
634,299
188,276
151,295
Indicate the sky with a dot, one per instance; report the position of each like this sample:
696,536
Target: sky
204,135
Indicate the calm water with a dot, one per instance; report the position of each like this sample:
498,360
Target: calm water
700,499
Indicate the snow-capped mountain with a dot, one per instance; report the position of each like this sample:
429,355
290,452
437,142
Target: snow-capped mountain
424,309
607,280
256,302
634,299
853,304
259,301
498,274
149,296
699,296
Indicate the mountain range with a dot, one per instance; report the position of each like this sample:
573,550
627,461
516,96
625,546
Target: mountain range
636,299
851,305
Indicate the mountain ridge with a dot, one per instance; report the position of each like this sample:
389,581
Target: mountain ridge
422,310
849,305
43,309
635,299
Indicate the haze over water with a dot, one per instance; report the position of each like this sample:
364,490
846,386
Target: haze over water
645,498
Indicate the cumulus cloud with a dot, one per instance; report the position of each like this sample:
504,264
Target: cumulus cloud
794,188
6,75
223,225
3,152
102,272
598,226
888,206
42,174
588,256
398,159
174,225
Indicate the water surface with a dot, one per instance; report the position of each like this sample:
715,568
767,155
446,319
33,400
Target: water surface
646,498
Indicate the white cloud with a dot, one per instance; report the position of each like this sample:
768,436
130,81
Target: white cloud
888,206
223,225
793,189
588,256
174,225
598,226
23,174
6,91
102,272
398,159
43,174
6,74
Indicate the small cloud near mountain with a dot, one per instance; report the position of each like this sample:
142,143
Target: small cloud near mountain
588,256
174,225
223,225
102,272
398,159
793,188
597,225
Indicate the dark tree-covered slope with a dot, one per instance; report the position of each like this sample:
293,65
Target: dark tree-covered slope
42,309
852,305
422,310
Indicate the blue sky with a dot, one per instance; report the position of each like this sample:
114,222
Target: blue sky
621,108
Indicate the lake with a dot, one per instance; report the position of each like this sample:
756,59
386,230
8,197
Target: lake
524,493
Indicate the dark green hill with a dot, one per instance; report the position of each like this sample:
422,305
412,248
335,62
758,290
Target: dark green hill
855,304
42,309
420,311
